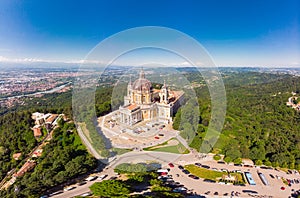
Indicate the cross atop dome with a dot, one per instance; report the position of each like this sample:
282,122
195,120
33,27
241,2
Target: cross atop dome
142,74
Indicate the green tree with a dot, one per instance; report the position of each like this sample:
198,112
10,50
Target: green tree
258,162
227,159
110,188
217,157
238,161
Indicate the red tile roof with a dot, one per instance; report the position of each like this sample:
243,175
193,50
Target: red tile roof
16,156
37,132
26,167
52,118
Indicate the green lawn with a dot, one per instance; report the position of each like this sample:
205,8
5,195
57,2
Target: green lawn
178,149
211,174
203,172
120,151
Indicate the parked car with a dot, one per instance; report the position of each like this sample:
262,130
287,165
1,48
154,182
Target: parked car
197,164
249,191
186,171
238,165
101,177
205,166
209,181
69,188
86,194
264,167
272,176
180,167
81,183
193,177
91,178
171,165
180,189
56,193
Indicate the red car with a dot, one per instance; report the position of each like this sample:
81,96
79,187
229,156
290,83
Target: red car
171,165
156,137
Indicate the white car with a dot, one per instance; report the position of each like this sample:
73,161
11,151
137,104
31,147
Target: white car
91,178
69,188
85,194
101,177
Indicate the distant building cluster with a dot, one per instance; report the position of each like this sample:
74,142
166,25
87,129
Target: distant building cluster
48,120
292,102
14,85
31,81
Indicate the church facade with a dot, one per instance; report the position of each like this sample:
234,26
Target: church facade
143,103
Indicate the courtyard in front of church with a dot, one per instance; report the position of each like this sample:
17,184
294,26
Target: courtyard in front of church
144,121
145,134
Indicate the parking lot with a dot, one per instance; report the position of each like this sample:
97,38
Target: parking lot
274,189
208,188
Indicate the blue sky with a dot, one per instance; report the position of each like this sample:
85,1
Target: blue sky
235,32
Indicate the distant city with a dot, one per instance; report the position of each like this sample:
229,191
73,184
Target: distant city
19,81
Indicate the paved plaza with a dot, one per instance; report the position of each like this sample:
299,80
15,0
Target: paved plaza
142,135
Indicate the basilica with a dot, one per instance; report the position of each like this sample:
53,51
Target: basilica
144,103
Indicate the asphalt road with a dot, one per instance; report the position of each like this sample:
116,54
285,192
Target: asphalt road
198,186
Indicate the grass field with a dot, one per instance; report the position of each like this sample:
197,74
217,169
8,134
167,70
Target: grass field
203,172
120,151
178,149
211,174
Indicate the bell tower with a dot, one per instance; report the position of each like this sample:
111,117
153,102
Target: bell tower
164,94
128,99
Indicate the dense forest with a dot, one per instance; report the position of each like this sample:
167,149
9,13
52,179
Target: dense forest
63,158
15,136
258,124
